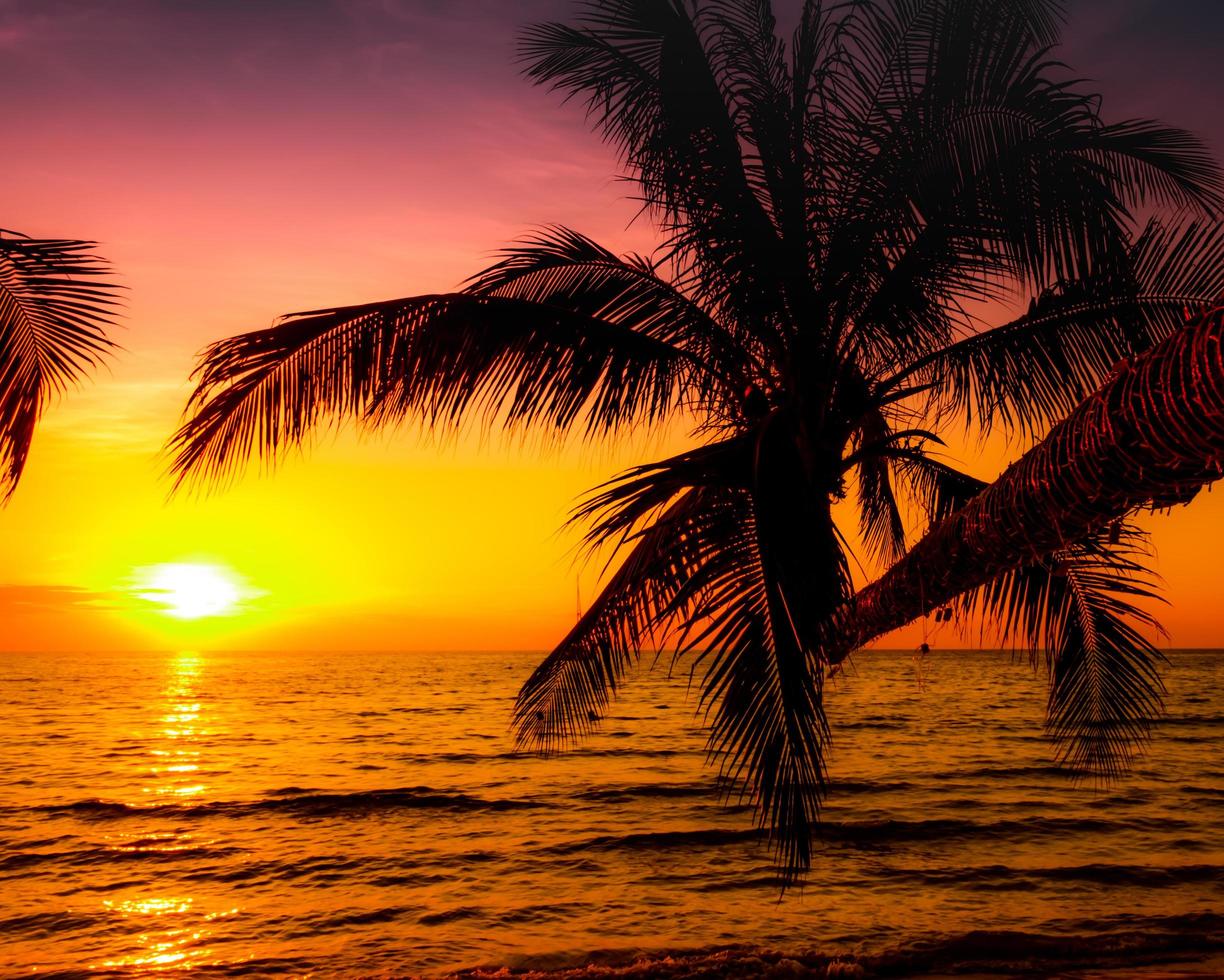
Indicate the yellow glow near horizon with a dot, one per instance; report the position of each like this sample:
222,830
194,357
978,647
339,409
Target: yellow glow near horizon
190,590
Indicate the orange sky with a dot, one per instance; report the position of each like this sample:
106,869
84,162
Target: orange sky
239,161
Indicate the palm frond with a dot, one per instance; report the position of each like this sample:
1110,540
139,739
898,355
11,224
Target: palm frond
769,112
880,52
981,170
1159,164
1031,371
652,85
619,509
56,302
880,520
1105,689
672,518
560,268
700,574
433,358
566,694
1080,608
762,690
939,489
766,621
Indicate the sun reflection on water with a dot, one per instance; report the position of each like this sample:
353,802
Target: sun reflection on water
172,935
160,933
178,762
154,843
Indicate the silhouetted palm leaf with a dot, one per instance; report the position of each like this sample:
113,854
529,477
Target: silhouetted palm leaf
565,696
434,358
1079,607
56,301
1033,370
562,268
697,576
1078,610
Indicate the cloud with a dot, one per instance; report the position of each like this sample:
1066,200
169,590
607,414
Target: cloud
57,618
18,599
129,414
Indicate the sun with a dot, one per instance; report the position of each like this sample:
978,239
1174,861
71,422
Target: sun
190,590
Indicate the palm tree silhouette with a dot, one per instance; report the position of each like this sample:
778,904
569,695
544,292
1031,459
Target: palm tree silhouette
56,302
835,213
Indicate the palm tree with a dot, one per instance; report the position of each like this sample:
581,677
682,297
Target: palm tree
835,214
56,301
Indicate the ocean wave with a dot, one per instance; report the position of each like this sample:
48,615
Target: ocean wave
418,758
577,752
253,967
300,803
26,863
451,915
1214,791
532,914
1142,943
381,872
714,791
1188,721
887,831
766,879
46,923
657,840
306,927
612,794
322,867
1143,876
855,787
877,832
1009,772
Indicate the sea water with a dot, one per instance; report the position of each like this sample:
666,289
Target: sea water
352,814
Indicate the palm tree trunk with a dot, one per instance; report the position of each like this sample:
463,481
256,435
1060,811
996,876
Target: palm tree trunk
1152,435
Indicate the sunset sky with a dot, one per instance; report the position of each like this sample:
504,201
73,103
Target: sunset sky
241,160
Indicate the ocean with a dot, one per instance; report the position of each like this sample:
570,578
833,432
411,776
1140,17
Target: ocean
260,814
